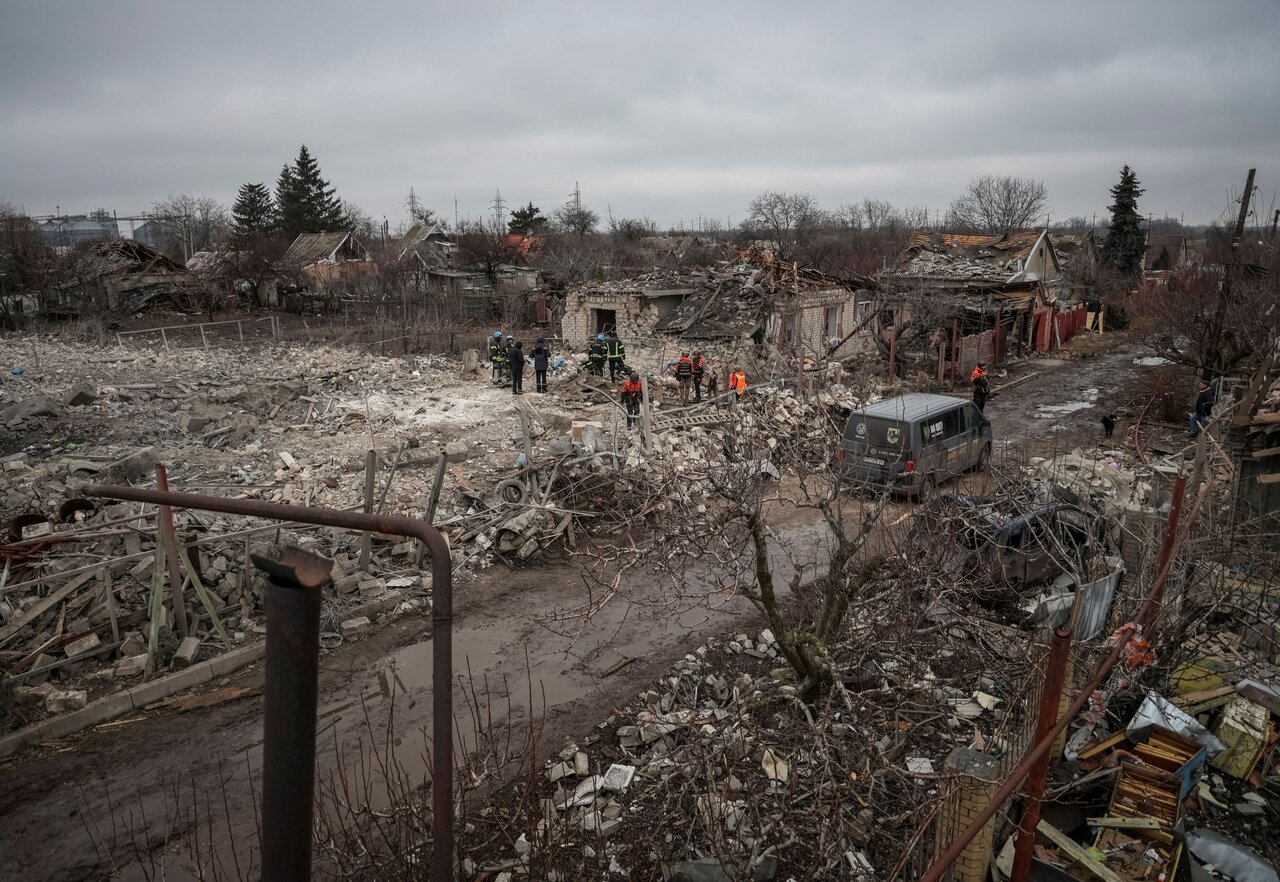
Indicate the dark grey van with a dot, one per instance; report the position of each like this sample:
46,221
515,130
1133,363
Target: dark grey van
905,442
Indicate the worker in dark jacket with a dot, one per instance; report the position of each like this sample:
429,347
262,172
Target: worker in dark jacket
617,354
1204,409
699,371
632,394
497,355
683,370
516,355
541,356
597,353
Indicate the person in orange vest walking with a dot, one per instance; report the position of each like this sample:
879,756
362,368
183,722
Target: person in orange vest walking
631,396
737,384
684,375
981,385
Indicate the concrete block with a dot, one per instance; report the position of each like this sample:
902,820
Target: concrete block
59,701
133,645
80,394
356,626
157,690
131,666
188,649
236,658
83,645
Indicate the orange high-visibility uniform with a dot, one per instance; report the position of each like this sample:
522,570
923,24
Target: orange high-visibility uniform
977,372
738,382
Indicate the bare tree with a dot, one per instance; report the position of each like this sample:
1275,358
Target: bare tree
997,204
576,218
487,245
188,223
630,229
785,219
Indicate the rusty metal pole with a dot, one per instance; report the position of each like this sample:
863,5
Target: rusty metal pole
289,711
893,353
171,554
1055,675
1147,613
442,863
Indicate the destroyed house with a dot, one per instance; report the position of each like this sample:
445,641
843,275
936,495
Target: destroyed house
763,303
632,309
122,274
425,246
329,261
990,298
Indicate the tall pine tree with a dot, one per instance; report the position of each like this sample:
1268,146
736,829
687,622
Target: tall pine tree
1126,242
253,214
305,203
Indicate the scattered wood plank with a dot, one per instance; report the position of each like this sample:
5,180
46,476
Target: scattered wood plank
619,665
184,703
8,631
1077,852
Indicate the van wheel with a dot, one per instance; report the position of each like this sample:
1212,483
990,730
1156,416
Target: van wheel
927,490
984,459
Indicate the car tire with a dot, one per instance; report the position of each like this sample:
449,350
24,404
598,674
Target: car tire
984,459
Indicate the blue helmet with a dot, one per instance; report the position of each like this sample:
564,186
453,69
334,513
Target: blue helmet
600,337
541,340
497,335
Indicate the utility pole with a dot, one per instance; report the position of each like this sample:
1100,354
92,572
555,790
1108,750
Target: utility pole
499,212
1210,371
455,211
414,206
575,198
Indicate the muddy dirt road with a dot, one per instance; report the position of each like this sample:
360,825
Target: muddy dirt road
92,805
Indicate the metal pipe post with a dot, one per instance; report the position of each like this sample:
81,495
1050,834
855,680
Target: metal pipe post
1055,675
442,864
289,726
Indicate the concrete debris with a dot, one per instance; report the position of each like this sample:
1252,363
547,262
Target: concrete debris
188,649
61,701
80,394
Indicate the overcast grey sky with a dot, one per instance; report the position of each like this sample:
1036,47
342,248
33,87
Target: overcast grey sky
665,110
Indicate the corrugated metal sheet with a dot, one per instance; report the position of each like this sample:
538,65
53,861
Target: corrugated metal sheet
1093,602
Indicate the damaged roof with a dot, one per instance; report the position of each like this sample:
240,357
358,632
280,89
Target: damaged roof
731,302
124,257
957,256
311,248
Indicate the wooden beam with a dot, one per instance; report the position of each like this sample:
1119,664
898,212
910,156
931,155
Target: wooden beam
1077,852
9,630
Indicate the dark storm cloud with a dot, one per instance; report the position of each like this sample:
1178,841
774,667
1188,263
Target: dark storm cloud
669,111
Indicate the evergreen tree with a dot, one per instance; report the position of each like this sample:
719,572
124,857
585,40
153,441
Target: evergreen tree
253,213
1125,243
527,221
305,202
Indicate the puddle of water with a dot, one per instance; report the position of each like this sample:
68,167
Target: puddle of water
1090,400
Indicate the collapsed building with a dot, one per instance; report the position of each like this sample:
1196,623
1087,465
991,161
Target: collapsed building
966,298
122,275
754,309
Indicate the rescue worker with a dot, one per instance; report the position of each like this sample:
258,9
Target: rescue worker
496,356
596,355
516,356
737,384
981,385
1204,409
617,353
699,371
683,370
631,397
541,356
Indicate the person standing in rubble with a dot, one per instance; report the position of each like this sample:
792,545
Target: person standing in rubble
516,356
981,385
617,354
541,356
737,384
1204,409
699,371
684,376
632,395
497,355
597,353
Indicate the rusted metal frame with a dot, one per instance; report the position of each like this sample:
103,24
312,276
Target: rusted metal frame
1055,676
171,554
1041,748
441,622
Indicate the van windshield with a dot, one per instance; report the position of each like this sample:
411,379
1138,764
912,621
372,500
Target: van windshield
879,433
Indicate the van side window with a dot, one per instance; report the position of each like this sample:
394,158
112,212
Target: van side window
953,422
973,417
933,431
